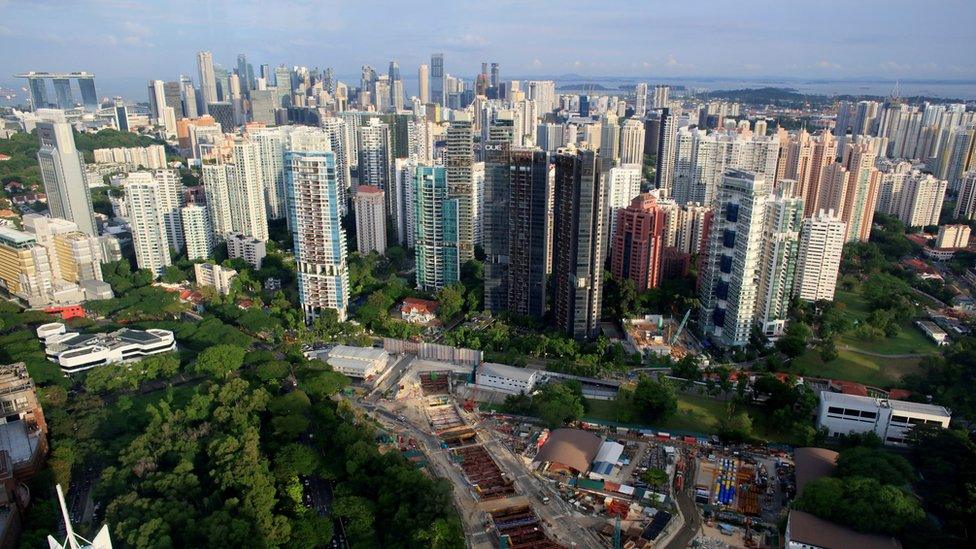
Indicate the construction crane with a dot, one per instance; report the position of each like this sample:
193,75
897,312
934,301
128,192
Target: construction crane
681,327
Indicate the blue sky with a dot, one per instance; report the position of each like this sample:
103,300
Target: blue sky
135,40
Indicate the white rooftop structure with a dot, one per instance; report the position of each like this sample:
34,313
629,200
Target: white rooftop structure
891,420
606,459
76,352
358,362
506,379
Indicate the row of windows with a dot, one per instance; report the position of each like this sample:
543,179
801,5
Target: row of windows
852,413
914,420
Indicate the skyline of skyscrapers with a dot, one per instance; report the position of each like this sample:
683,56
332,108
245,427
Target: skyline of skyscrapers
479,164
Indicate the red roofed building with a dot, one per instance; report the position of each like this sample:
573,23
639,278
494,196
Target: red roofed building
636,245
922,269
848,387
67,312
899,394
418,311
919,238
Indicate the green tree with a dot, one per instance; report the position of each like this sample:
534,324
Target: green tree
220,360
735,428
655,400
794,340
450,301
863,504
655,477
876,463
557,404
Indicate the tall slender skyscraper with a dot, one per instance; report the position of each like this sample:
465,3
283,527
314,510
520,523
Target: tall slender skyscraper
62,171
580,221
370,219
147,223
730,268
157,99
376,159
638,242
396,87
423,76
664,173
208,80
821,245
527,230
316,226
436,230
246,190
640,100
437,87
778,264
271,151
197,231
458,160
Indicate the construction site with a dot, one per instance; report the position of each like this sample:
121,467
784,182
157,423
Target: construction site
729,484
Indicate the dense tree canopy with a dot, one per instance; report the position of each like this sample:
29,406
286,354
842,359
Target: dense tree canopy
655,399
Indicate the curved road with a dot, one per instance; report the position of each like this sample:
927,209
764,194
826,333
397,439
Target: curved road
689,512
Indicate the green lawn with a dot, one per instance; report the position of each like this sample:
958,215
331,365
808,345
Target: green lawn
910,340
695,413
871,370
851,366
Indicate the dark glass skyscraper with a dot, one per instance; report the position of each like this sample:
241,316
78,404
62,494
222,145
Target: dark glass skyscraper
579,224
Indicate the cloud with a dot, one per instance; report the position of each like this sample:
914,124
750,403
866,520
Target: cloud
469,39
672,63
536,64
137,34
752,66
824,64
647,66
5,31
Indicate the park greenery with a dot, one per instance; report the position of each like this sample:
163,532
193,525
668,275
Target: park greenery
875,490
557,404
22,148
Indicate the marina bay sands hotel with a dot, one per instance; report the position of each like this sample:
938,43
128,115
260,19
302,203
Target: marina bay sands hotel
37,84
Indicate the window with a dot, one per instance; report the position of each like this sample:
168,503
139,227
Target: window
872,415
835,410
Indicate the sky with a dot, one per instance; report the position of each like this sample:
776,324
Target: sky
129,41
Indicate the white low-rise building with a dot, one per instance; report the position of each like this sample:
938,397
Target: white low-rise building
358,362
891,420
506,379
76,352
214,276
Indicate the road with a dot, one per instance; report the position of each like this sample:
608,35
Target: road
689,512
439,465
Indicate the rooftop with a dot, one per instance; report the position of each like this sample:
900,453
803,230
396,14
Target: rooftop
841,399
573,448
510,372
368,189
811,530
811,464
79,344
18,442
15,238
357,353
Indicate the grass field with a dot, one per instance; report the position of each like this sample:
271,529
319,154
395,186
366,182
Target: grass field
871,370
910,340
698,414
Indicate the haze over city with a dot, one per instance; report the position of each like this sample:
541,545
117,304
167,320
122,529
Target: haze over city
125,41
